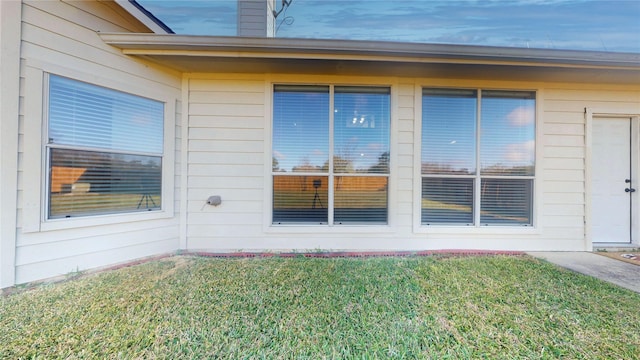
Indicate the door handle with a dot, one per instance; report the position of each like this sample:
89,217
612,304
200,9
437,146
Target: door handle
629,190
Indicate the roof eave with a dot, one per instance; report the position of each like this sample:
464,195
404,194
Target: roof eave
319,49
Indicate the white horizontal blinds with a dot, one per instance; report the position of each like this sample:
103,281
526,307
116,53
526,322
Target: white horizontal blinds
360,199
506,201
361,129
300,128
104,150
90,183
449,131
447,200
300,154
507,140
507,150
86,115
452,143
304,165
448,156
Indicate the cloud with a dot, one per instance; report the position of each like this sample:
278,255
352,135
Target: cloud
522,116
521,152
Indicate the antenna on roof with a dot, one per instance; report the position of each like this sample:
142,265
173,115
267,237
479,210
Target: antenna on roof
285,4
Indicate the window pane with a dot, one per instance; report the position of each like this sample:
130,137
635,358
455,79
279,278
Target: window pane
449,131
447,201
361,130
300,128
88,183
507,140
86,115
506,201
300,199
360,200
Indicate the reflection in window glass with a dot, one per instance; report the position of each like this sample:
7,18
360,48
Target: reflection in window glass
455,137
506,201
90,183
300,128
360,199
306,185
104,150
449,131
447,200
508,133
300,199
361,130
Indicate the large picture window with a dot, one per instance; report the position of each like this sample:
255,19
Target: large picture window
478,157
104,150
330,154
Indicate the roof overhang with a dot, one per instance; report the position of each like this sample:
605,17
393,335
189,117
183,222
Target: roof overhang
188,53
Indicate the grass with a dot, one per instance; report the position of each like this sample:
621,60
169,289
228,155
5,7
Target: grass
306,308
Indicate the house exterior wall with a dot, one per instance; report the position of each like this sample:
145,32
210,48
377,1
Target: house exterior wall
229,147
9,105
59,37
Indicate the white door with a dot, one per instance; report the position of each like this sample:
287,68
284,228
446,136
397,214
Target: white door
611,183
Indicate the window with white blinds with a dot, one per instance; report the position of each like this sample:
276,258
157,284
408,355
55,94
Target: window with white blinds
477,157
330,155
104,150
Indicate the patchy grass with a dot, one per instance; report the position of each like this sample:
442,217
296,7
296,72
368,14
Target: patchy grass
457,307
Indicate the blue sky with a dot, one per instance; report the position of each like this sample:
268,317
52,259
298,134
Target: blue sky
610,25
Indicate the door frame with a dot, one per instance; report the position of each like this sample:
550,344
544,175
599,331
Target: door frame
635,170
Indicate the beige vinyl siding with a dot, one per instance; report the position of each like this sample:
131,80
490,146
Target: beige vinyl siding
226,147
229,147
60,37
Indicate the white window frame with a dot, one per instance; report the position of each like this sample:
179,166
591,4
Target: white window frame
477,228
329,228
35,192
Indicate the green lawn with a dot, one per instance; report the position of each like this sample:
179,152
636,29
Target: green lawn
305,308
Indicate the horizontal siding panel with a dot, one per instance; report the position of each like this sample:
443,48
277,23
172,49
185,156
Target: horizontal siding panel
226,134
564,186
551,117
224,218
62,266
405,125
563,210
563,140
563,152
225,170
229,146
226,97
235,122
208,234
75,247
83,18
563,175
564,164
591,95
239,84
564,129
563,221
563,198
228,194
202,157
226,109
229,206
218,183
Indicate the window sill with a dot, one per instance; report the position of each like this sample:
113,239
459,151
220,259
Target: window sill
108,219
